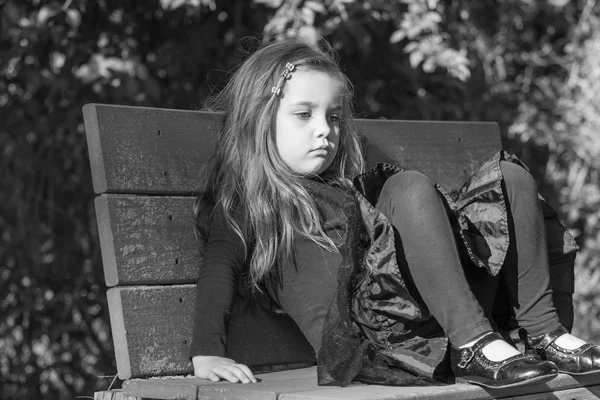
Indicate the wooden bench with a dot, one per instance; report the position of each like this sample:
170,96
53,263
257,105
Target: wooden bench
146,166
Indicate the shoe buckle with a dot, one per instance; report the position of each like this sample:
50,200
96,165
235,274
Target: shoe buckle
466,355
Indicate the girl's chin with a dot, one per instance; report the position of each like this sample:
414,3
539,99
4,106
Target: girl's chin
321,168
316,166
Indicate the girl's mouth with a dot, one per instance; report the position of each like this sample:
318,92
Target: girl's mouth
322,151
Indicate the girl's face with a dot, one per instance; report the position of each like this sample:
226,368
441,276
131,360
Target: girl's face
307,126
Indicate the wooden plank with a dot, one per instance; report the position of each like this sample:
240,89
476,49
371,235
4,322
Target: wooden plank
180,388
448,152
119,334
152,332
95,154
586,393
151,150
115,394
147,239
269,386
560,387
302,385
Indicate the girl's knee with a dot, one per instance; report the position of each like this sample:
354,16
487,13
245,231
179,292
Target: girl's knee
516,176
408,185
408,197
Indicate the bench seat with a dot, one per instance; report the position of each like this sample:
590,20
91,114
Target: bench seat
301,384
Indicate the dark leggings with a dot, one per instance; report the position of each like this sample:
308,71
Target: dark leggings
461,298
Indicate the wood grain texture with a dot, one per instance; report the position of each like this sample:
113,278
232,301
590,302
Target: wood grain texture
147,239
182,388
95,154
148,150
152,332
301,385
448,152
453,392
179,388
270,386
586,393
118,328
151,150
114,395
561,387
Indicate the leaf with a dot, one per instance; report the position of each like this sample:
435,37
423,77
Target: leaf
410,47
415,58
397,36
45,13
172,4
316,6
429,65
74,17
432,4
270,3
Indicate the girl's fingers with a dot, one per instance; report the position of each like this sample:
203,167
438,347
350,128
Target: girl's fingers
213,377
232,373
247,371
239,373
217,368
226,374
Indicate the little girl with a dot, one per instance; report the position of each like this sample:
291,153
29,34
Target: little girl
380,274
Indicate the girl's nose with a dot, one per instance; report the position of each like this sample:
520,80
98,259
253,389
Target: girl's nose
323,128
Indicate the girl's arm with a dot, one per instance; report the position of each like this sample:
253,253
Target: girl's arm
224,261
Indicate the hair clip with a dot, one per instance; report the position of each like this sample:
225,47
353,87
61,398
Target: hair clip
286,74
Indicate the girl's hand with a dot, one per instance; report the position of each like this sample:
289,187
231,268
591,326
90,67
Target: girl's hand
217,368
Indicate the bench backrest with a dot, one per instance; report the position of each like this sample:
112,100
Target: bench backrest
145,167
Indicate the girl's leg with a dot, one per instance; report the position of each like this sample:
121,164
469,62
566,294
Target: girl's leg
431,261
525,272
528,282
526,275
413,205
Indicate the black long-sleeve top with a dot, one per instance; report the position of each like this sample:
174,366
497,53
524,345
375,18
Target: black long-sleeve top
308,286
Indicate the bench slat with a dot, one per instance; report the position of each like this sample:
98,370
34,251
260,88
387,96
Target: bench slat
302,385
448,152
150,150
453,392
114,394
147,239
152,332
270,386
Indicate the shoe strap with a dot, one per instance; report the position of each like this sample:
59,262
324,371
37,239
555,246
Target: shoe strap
468,353
549,338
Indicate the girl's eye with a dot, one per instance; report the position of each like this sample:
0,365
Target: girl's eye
303,115
335,118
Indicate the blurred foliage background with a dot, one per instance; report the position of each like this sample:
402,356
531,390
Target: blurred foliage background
533,66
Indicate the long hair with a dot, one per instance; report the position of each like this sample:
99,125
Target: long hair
262,200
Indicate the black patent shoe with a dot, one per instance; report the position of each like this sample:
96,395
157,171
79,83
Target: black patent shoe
470,365
581,361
